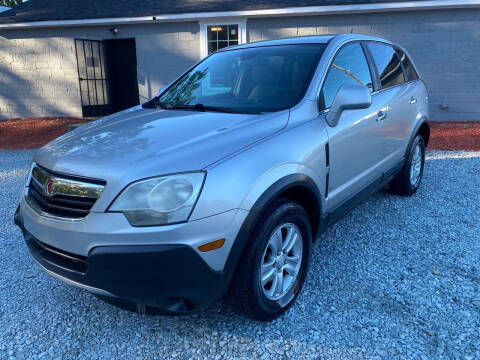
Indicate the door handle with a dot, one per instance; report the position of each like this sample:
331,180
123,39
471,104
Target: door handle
413,100
381,115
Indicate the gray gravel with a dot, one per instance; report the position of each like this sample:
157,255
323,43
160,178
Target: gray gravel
398,277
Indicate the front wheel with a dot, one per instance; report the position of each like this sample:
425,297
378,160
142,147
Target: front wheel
275,262
408,181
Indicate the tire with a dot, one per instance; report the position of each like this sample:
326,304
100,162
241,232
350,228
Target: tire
247,295
403,183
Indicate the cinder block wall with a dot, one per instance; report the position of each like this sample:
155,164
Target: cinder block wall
38,67
38,77
164,51
445,45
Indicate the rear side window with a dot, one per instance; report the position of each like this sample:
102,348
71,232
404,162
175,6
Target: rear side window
388,64
408,66
349,67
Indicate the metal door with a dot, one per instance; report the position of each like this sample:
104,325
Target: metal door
93,79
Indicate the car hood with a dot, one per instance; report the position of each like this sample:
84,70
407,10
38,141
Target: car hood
138,143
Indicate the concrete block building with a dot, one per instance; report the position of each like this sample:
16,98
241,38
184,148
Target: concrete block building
89,58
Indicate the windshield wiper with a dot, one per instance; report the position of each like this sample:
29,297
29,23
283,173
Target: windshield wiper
199,107
158,104
155,103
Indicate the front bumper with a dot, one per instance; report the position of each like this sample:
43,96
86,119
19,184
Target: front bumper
172,277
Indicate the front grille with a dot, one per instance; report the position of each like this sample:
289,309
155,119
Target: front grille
62,195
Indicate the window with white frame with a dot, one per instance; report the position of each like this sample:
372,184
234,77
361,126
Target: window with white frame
221,36
218,35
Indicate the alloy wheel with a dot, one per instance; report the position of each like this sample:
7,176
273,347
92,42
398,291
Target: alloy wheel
281,261
416,166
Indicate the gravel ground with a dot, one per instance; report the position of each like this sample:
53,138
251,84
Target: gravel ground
398,277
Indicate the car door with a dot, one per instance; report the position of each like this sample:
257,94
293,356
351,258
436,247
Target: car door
397,100
354,145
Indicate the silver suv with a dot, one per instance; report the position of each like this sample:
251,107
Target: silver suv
220,184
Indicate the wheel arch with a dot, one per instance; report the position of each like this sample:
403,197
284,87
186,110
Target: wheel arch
297,187
423,129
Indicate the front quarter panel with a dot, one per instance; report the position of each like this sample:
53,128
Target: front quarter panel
239,181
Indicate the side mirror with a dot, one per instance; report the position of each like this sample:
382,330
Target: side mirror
349,97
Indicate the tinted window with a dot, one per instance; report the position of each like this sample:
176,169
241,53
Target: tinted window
252,80
408,66
348,67
388,64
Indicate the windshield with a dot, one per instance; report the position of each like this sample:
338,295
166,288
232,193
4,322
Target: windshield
252,80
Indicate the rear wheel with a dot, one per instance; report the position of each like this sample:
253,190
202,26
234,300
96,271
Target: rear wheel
408,181
275,262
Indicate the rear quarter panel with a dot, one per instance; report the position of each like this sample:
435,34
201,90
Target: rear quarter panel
421,110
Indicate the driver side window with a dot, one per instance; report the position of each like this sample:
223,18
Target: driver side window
349,67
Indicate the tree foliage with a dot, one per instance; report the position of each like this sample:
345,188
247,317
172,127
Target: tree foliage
10,3
182,92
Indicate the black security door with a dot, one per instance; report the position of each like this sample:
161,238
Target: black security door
122,71
107,72
93,79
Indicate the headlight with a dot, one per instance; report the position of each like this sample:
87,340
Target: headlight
161,200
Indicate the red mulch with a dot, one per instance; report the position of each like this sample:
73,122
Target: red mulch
33,133
455,135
